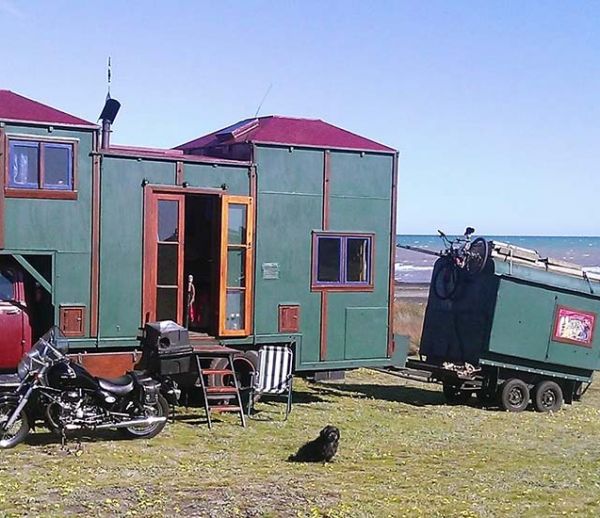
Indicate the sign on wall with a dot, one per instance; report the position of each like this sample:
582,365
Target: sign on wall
573,326
270,271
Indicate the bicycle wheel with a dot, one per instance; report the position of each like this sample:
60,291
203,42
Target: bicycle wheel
477,256
445,281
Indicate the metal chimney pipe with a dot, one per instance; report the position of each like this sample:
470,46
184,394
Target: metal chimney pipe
108,115
106,131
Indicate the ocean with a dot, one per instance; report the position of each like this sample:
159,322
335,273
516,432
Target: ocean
416,268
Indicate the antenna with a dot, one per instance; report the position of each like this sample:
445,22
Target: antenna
109,111
263,100
108,78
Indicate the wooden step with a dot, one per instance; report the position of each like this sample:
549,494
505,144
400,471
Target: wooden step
224,408
221,397
221,390
216,398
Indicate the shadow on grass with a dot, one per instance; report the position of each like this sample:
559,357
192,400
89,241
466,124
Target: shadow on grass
46,438
396,393
402,394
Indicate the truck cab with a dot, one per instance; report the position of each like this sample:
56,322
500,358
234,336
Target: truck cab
15,326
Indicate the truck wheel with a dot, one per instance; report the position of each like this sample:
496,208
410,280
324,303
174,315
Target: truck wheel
454,395
9,438
548,396
514,396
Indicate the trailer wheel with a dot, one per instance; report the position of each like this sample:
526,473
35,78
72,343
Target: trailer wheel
454,395
548,396
514,396
245,365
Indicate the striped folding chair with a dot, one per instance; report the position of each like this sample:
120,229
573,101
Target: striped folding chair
274,375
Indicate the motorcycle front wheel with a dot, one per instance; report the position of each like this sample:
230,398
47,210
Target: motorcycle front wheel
158,409
14,435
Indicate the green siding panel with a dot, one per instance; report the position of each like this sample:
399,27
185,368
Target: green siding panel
366,332
208,176
523,325
289,208
367,176
522,321
299,171
284,238
361,215
121,241
64,226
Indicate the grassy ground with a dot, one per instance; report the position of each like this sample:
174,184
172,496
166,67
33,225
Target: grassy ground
403,452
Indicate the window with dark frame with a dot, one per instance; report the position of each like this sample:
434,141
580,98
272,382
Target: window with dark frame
40,166
7,289
342,260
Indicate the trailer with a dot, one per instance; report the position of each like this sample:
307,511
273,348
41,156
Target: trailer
521,331
270,230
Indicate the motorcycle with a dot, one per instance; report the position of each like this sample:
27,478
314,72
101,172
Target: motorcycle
67,397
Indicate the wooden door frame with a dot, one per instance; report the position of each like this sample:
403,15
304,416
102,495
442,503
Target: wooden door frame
249,267
152,195
149,249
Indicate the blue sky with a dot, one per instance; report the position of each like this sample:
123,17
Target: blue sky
494,106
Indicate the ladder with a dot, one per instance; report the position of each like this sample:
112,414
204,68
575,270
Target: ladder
214,396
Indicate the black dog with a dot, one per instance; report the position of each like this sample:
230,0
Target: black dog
322,449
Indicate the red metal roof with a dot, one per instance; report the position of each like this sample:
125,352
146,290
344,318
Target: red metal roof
15,107
275,129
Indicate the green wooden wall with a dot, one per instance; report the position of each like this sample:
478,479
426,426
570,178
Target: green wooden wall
121,232
58,227
289,209
360,191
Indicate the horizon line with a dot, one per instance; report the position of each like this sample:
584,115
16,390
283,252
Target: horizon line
506,235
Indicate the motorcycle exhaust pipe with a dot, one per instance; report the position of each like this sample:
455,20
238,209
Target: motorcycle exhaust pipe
122,424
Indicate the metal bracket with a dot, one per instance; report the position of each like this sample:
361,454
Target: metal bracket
34,273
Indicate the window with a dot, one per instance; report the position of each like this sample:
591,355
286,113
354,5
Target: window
6,286
40,169
342,261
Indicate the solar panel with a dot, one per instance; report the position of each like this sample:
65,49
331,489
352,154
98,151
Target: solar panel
237,129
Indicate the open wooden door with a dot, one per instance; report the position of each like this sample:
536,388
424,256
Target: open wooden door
235,283
163,257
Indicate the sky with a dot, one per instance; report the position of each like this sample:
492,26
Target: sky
494,106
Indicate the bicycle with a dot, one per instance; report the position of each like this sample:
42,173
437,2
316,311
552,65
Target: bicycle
462,256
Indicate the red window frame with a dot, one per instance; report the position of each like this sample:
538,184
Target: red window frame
343,284
40,191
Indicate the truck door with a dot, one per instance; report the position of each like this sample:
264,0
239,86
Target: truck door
12,339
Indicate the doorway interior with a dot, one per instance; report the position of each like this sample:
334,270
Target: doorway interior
198,261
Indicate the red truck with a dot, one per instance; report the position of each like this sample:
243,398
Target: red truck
16,332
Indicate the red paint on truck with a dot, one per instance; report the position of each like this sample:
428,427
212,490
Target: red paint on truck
15,327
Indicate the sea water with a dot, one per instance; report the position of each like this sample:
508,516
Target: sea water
413,267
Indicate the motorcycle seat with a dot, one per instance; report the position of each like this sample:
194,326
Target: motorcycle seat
119,386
